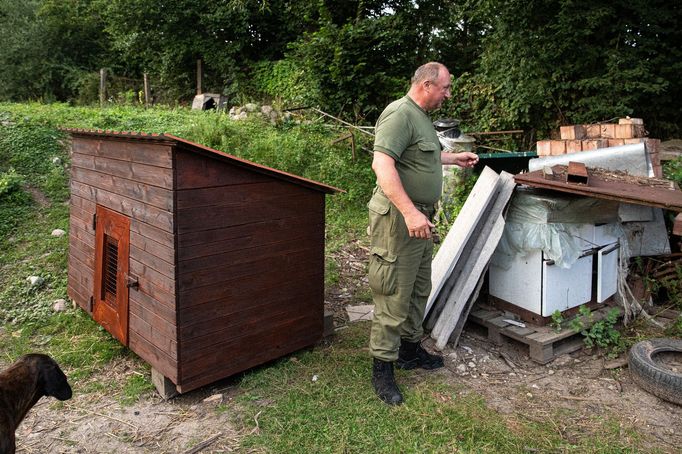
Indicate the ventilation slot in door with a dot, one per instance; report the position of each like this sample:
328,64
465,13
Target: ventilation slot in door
110,270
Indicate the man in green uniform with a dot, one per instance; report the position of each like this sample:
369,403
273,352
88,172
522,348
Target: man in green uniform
407,162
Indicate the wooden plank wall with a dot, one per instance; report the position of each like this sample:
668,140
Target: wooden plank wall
136,179
250,268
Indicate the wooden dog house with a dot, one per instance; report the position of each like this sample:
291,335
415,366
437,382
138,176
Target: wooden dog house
202,263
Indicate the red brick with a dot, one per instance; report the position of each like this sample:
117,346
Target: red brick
630,121
558,147
615,142
574,146
573,132
632,141
592,132
652,145
629,131
593,144
544,147
655,159
658,171
607,131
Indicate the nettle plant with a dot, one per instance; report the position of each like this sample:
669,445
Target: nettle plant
601,333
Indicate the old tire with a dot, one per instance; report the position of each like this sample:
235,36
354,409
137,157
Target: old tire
654,376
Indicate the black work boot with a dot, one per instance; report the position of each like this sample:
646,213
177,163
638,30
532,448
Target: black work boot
384,383
412,355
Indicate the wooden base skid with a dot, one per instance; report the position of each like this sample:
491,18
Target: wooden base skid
544,343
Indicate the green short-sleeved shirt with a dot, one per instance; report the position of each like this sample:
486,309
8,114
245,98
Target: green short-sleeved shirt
404,131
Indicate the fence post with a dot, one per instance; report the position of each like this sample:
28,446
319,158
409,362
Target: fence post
102,87
200,75
147,91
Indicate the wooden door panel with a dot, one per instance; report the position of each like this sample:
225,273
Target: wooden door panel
112,251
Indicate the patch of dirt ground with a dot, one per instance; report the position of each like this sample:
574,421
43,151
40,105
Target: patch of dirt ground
582,386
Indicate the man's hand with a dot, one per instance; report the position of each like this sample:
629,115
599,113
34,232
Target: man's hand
463,159
418,225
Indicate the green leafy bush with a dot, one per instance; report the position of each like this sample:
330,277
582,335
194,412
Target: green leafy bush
10,182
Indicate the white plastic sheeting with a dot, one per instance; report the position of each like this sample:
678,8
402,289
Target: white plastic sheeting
627,158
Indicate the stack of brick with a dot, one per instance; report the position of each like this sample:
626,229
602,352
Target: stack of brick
578,138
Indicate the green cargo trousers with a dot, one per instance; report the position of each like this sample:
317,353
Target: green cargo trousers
399,277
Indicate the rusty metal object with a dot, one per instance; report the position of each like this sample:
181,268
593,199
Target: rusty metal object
622,187
577,173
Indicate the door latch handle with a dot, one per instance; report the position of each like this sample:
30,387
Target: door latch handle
132,282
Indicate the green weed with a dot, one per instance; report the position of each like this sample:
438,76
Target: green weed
322,401
600,333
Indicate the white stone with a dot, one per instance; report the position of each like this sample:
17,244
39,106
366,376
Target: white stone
315,378
250,107
35,281
461,368
57,160
58,233
550,372
59,305
266,110
472,365
214,398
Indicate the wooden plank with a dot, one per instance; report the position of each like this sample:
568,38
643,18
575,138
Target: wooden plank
161,251
248,351
150,316
164,237
153,356
85,253
215,301
83,204
260,234
247,234
196,170
153,262
295,263
151,175
247,213
245,255
142,192
128,207
150,288
461,230
80,275
213,333
130,149
239,193
153,336
164,309
148,275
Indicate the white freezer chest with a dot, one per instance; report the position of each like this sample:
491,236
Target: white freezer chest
535,283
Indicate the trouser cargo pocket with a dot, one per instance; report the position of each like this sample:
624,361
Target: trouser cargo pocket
382,271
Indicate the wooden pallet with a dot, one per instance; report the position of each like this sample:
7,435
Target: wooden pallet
544,343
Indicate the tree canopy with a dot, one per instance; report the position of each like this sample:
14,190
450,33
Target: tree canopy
532,64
